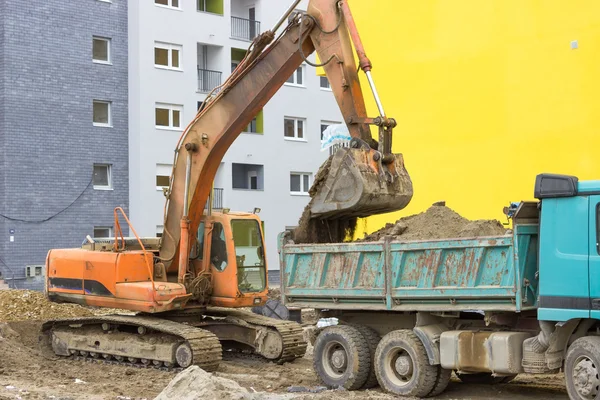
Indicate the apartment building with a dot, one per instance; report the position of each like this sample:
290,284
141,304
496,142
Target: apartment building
63,128
179,50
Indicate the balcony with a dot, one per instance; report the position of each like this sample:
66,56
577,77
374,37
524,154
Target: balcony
217,199
244,29
208,80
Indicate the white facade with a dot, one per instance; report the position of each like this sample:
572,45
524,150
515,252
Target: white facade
187,40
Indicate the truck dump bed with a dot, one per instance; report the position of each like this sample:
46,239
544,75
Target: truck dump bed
489,273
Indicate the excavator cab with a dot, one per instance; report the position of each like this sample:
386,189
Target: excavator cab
231,247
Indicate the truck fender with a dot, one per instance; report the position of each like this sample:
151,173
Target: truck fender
429,335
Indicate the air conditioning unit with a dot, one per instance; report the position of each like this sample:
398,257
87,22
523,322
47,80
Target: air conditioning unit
31,271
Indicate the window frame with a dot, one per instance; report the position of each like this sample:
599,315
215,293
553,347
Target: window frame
301,175
110,233
108,174
108,50
169,47
110,121
326,88
169,6
295,138
295,76
328,123
170,108
156,175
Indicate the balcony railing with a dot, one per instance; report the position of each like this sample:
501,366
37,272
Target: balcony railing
336,147
217,199
245,29
208,79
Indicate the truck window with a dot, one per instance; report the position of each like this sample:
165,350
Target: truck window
598,228
218,247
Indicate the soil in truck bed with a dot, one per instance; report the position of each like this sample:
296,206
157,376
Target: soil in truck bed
437,222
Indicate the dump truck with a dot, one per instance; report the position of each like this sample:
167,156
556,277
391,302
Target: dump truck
488,308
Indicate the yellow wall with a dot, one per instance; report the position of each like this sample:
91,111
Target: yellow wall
486,94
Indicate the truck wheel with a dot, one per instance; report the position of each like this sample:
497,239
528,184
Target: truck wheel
582,366
485,378
341,357
402,366
372,338
442,381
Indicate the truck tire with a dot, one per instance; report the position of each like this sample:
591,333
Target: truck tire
442,381
341,357
484,378
372,338
582,366
402,365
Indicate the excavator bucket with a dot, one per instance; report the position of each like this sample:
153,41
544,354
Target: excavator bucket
356,183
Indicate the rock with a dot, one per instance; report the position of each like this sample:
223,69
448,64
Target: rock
195,383
399,228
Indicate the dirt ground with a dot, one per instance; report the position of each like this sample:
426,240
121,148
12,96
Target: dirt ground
26,374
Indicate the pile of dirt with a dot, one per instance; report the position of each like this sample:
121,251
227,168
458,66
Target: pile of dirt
29,305
316,230
438,222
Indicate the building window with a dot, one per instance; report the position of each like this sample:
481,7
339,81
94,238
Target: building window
101,50
297,78
299,182
167,56
163,176
256,125
247,176
324,83
31,271
325,124
293,128
159,230
167,3
210,6
102,231
102,178
168,116
102,115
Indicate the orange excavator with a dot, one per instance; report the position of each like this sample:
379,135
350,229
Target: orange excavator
188,291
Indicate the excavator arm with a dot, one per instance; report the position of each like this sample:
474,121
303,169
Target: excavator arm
363,179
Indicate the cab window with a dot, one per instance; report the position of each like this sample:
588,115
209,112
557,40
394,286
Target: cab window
200,243
249,255
218,247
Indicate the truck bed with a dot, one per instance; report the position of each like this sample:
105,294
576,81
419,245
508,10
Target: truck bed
485,273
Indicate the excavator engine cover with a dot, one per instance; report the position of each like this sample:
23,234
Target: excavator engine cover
356,183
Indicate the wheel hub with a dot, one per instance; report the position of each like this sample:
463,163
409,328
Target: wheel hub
585,378
403,365
338,359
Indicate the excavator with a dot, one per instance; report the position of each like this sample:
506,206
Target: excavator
189,292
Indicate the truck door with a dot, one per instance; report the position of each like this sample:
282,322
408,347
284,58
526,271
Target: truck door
594,246
564,259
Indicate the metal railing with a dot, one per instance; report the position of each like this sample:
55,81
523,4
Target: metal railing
217,199
208,79
245,29
337,146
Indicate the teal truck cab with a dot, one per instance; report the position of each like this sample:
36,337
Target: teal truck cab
488,308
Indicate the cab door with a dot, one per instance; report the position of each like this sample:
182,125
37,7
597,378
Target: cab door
594,261
219,248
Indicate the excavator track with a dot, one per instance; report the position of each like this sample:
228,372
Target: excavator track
191,345
291,333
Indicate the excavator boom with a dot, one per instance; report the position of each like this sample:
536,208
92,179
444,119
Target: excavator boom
364,179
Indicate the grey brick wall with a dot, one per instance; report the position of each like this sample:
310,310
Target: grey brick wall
47,84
